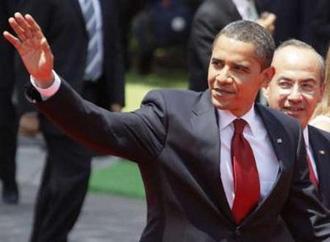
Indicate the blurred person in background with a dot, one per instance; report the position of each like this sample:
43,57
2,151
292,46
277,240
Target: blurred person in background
293,19
321,118
8,118
296,89
321,26
210,18
161,24
84,35
128,9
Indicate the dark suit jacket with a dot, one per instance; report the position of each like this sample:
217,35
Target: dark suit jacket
321,26
320,143
174,138
6,66
63,24
293,18
210,18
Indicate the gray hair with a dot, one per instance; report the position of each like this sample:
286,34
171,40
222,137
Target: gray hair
302,45
251,32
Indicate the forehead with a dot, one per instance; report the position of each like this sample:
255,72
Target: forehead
229,49
297,64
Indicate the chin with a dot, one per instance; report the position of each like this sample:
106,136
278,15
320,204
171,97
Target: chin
218,104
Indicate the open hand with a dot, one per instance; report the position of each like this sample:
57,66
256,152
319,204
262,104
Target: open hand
32,47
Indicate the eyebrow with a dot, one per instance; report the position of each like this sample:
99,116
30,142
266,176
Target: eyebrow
310,79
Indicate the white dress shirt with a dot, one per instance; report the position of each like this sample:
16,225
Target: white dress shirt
256,134
310,151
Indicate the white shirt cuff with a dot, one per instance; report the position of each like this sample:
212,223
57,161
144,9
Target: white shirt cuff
46,93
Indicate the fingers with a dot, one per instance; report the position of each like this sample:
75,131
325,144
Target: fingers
24,25
12,39
34,27
20,26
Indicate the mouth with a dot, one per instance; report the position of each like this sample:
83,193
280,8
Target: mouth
222,92
293,111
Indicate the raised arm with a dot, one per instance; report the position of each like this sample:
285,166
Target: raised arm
32,47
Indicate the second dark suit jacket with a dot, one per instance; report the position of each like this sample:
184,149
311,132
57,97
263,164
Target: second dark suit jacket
321,26
7,81
174,138
293,18
320,143
63,24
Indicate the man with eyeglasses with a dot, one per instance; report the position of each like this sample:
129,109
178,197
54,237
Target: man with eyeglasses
296,89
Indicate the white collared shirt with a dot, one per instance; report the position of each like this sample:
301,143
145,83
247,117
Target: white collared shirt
246,9
256,134
310,151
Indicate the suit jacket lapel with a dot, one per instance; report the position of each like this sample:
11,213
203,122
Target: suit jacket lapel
278,140
204,124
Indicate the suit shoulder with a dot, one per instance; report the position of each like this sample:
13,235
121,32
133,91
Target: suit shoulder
319,132
281,117
173,94
172,98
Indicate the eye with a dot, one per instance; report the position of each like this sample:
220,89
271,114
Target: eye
284,84
218,64
240,68
307,86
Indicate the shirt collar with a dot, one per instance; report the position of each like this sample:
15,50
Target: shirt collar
226,118
306,136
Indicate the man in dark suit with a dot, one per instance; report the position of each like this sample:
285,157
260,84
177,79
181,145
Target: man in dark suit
293,19
296,89
71,27
8,119
320,26
199,186
210,18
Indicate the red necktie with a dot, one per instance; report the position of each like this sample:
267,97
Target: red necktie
312,175
245,173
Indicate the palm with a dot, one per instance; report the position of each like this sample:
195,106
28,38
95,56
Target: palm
34,57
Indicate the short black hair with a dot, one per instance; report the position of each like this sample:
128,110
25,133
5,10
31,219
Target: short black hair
251,32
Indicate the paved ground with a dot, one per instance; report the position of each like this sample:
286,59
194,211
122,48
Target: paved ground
104,218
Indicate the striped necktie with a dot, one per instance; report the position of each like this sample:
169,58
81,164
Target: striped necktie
94,56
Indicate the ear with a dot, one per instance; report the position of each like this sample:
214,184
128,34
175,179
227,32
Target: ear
268,74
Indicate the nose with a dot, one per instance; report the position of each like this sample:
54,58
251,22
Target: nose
223,76
295,94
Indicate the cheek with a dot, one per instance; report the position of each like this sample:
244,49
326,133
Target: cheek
210,82
312,104
276,101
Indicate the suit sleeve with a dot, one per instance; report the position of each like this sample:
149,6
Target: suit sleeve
137,136
304,214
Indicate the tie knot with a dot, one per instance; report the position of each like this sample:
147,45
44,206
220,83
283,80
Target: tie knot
239,125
